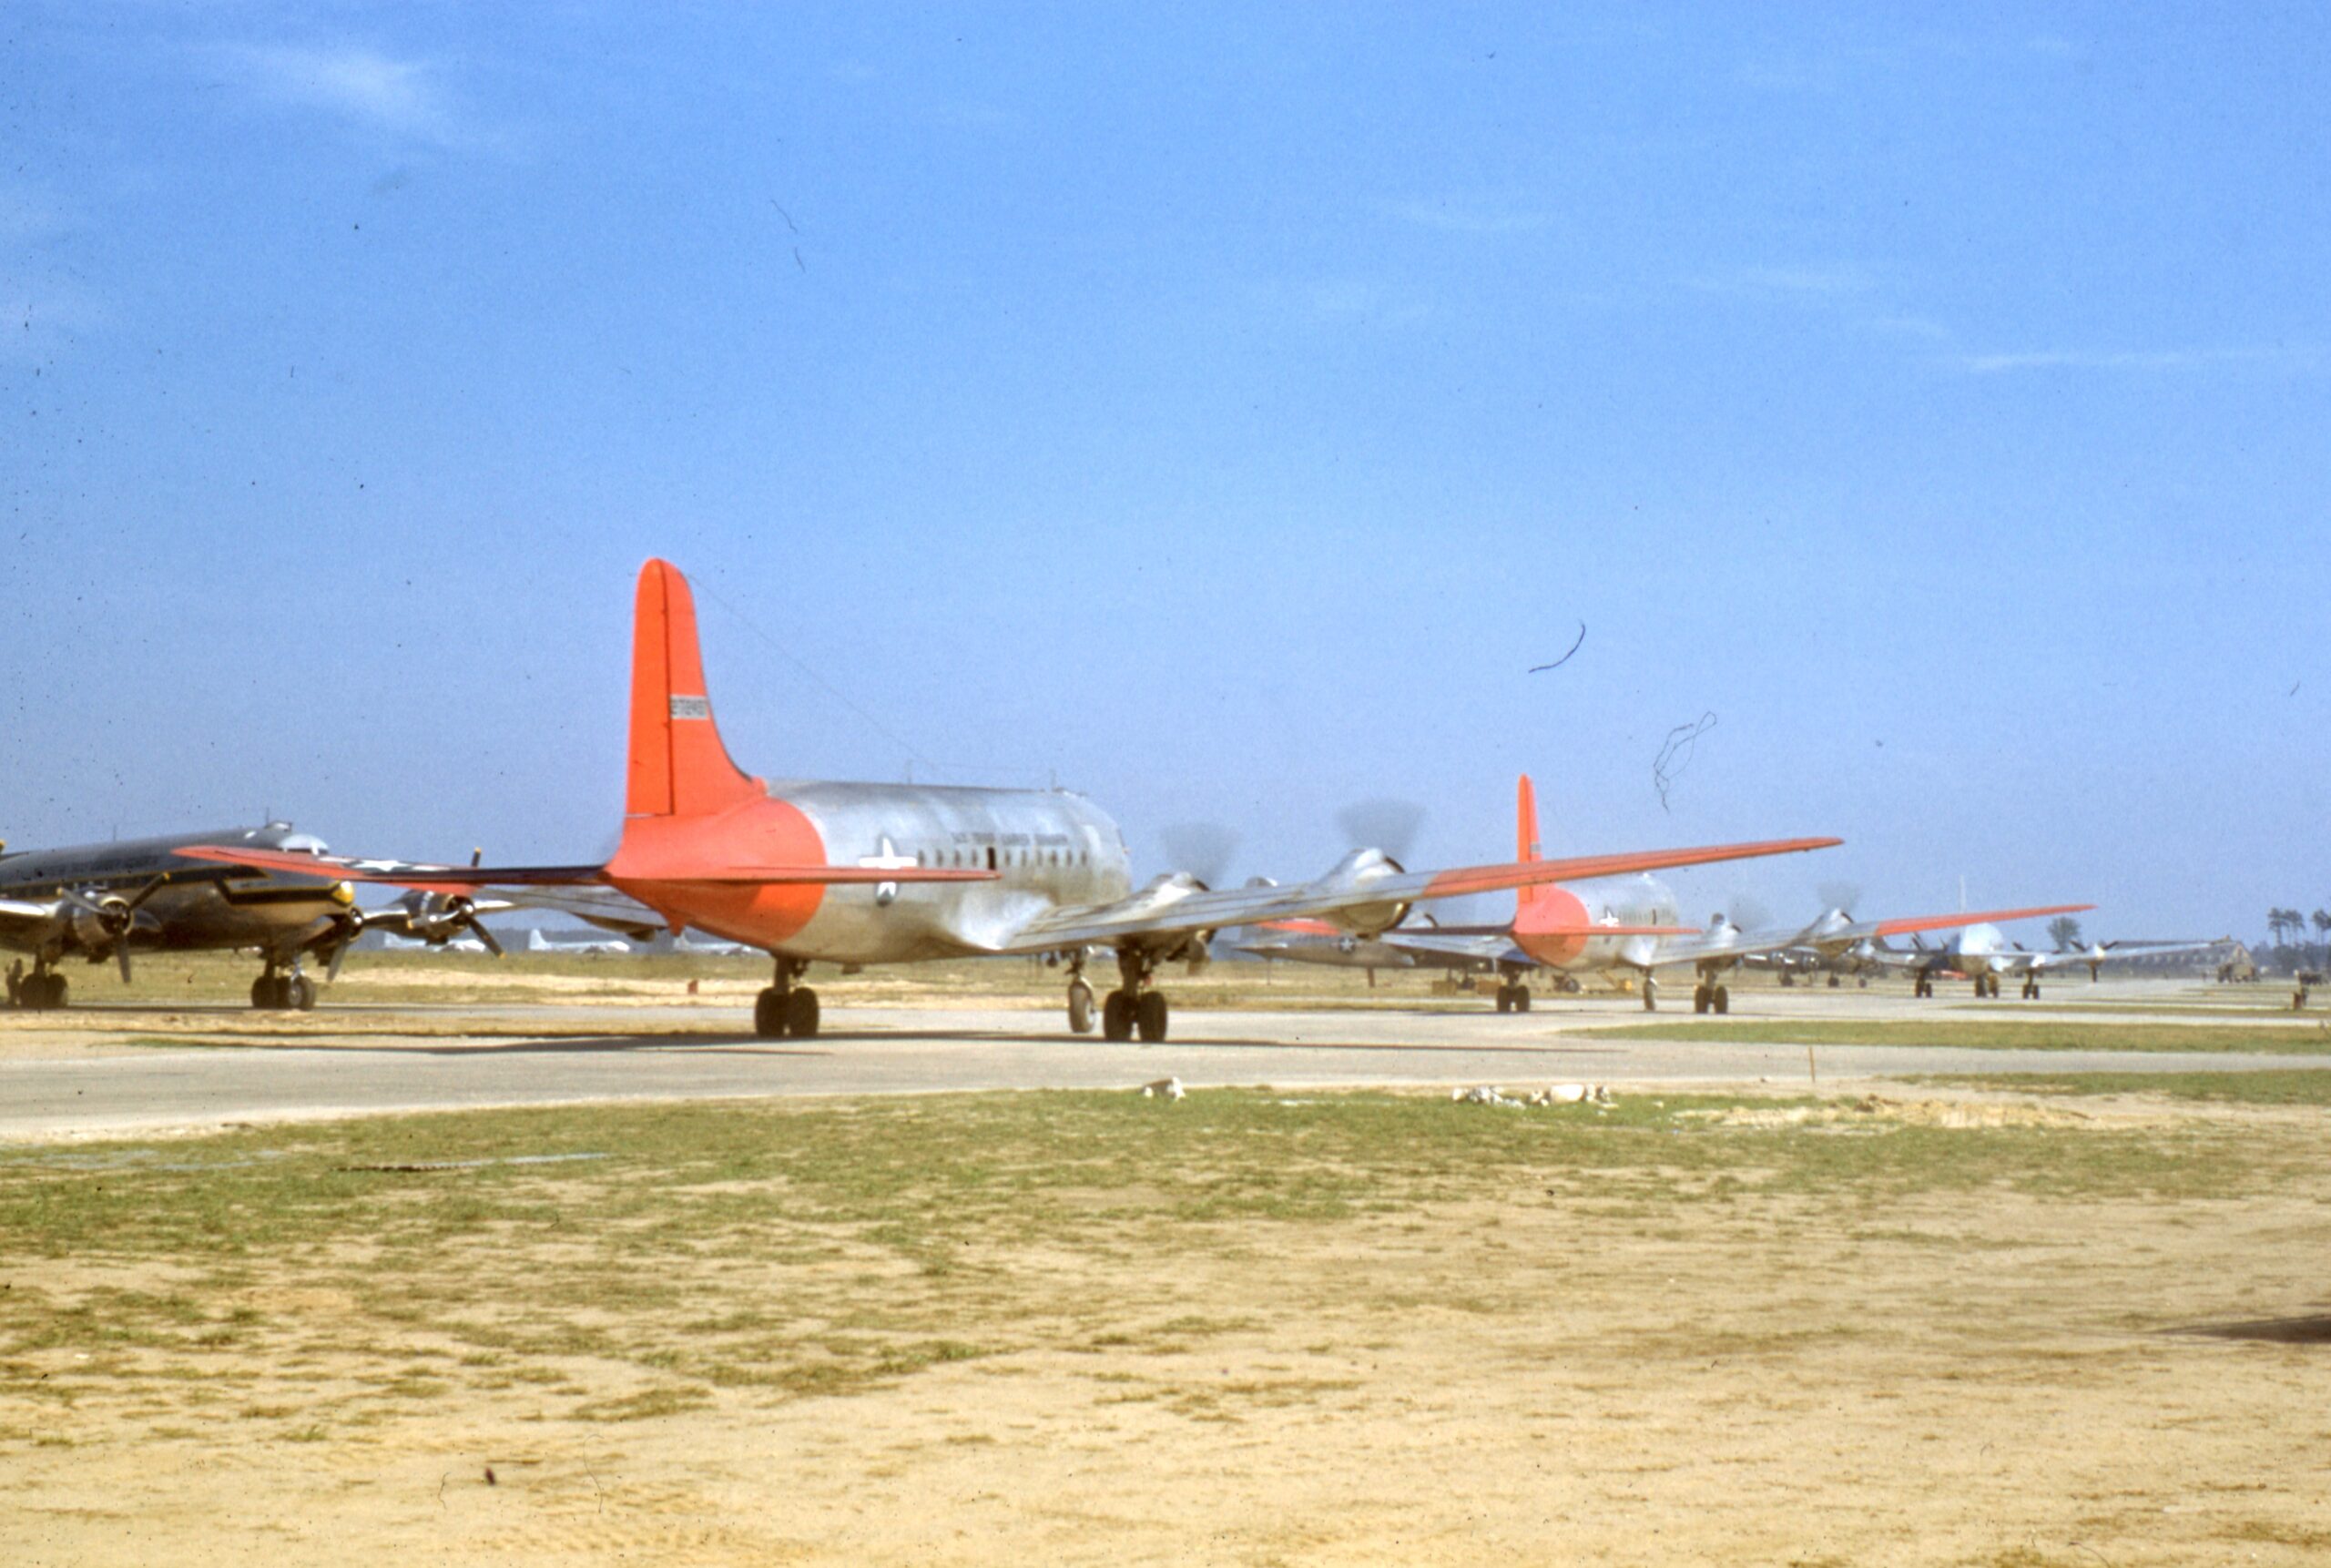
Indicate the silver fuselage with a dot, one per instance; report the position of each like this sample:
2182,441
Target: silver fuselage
1050,849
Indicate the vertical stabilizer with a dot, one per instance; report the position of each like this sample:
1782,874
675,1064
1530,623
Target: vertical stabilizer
1525,835
678,766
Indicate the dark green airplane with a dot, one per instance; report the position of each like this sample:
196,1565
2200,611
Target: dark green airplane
100,902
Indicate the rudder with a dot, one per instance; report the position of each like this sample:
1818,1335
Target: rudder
1525,835
678,766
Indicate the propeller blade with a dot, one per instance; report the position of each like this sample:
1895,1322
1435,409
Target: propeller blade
1202,848
484,936
121,956
1839,896
149,889
1387,825
339,957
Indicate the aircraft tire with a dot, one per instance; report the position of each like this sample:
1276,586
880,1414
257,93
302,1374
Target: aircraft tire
1700,1001
1720,999
768,1014
53,993
802,1013
1521,999
1116,1017
1834,981
1149,1017
1080,1008
303,993
1573,985
1505,999
259,992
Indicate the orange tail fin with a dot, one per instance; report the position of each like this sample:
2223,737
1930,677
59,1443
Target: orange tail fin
1525,835
678,767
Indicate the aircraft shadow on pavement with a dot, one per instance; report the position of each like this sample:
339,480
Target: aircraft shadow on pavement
2313,1330
597,1044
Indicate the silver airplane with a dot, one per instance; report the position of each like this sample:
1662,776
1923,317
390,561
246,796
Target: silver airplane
1628,933
101,901
862,873
537,942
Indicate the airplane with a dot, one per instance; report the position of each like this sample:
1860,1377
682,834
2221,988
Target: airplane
416,944
1632,932
862,873
537,942
1982,953
101,901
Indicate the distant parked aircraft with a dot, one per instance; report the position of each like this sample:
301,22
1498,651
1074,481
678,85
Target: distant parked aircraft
1630,932
537,942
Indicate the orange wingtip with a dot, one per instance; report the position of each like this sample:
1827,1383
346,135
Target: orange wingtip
1951,922
1490,879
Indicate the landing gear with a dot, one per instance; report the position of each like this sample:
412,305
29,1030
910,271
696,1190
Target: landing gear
1650,995
1987,985
1133,1008
1923,985
1711,998
1512,996
42,991
784,1008
2030,988
1080,996
1787,980
1836,980
278,991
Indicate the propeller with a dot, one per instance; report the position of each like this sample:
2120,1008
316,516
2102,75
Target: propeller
1839,896
1202,848
1749,914
1384,824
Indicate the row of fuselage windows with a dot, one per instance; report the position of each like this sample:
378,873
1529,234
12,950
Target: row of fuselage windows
994,860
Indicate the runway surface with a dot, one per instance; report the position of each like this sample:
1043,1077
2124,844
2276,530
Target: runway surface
455,1058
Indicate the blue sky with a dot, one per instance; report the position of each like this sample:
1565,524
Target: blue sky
1217,412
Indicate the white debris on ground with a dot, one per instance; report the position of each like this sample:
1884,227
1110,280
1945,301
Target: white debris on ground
1163,1089
1595,1095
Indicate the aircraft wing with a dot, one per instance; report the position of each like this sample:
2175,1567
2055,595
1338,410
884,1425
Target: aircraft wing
1170,910
1865,931
24,923
1453,947
436,879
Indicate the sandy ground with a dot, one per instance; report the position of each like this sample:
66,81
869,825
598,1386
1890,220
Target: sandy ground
1512,1375
1502,1381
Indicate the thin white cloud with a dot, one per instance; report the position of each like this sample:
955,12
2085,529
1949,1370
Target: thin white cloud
1818,280
2128,360
376,92
1470,215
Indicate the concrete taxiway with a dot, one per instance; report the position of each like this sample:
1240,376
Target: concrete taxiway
117,1079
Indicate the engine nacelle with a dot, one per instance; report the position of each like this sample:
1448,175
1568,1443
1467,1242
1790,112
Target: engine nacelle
96,925
1355,871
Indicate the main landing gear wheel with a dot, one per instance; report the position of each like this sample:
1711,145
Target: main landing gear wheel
1711,999
1650,995
802,1013
2031,990
41,992
1505,999
1079,1007
303,997
275,993
769,1013
1149,1017
1116,1016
